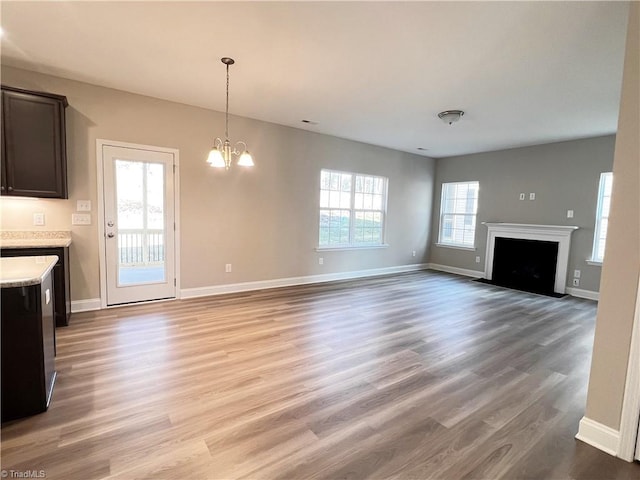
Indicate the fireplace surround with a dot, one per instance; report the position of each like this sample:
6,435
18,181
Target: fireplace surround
560,234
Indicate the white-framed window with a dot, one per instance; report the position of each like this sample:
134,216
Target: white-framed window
602,216
458,207
352,209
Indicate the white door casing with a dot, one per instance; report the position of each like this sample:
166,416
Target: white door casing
630,418
138,222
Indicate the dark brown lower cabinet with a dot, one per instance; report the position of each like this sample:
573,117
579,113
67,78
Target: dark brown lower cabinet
28,364
60,274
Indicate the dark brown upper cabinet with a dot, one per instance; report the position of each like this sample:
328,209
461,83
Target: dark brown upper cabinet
34,154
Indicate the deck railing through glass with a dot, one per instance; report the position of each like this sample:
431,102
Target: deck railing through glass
140,247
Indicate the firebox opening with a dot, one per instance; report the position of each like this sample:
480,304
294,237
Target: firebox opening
528,265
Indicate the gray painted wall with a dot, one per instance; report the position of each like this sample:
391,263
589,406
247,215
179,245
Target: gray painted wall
263,221
562,175
240,218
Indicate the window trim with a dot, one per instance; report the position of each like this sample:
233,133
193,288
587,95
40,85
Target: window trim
353,210
462,246
594,259
370,246
455,246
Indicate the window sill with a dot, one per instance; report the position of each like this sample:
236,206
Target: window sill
597,263
456,247
349,247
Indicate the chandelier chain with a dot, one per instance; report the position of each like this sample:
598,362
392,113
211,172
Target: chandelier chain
226,120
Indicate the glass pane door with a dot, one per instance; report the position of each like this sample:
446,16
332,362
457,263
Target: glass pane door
139,215
140,222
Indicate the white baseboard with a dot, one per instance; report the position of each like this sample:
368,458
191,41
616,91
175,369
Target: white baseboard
91,304
578,292
456,270
598,435
574,292
86,305
291,281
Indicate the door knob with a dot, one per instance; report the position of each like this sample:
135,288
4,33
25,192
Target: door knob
110,235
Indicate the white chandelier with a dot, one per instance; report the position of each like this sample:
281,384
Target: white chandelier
221,155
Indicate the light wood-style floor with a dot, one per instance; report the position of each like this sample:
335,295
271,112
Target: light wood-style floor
420,375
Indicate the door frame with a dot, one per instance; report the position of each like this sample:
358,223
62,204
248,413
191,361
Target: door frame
100,144
629,430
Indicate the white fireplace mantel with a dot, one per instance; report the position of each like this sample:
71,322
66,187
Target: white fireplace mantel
547,233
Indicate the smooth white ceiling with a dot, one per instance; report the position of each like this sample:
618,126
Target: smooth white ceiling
524,72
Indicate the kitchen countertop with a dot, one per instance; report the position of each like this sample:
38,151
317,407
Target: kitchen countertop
25,271
34,239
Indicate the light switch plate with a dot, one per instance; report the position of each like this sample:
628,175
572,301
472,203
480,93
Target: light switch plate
532,196
522,195
80,219
83,205
569,213
38,219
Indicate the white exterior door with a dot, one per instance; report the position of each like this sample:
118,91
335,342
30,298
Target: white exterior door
138,224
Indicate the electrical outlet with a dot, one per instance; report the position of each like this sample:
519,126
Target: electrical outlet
576,282
477,259
227,268
522,195
83,205
576,274
38,219
569,213
320,261
532,196
413,253
80,219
